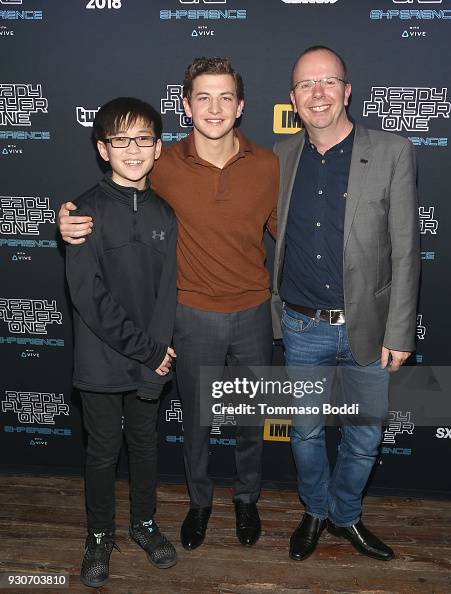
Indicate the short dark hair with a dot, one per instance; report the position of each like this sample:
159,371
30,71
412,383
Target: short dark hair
211,66
315,48
124,112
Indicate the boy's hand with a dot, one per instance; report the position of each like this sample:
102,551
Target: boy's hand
73,229
165,365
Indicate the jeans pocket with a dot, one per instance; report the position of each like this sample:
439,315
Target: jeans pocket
296,323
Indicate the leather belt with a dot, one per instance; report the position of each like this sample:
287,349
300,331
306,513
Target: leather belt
335,317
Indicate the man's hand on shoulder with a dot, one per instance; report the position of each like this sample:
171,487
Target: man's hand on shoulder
73,229
393,359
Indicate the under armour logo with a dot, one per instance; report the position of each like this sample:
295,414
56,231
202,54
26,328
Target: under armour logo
159,235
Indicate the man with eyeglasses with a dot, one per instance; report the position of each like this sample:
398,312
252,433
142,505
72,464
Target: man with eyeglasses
345,287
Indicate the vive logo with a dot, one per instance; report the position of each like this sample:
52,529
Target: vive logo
414,31
285,120
202,31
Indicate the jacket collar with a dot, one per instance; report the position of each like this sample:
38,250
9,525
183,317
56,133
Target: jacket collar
124,194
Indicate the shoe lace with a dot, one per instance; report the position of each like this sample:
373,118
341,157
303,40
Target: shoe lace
150,525
148,535
201,515
106,540
245,514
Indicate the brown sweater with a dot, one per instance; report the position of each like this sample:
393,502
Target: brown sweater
222,214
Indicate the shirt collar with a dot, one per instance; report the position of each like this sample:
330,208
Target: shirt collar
343,147
188,148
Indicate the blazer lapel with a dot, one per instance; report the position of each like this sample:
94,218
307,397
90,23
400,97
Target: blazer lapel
360,162
289,171
289,161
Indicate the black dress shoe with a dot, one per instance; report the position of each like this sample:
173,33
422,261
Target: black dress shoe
248,526
194,526
304,539
363,540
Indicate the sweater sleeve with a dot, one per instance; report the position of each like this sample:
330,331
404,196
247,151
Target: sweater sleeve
99,309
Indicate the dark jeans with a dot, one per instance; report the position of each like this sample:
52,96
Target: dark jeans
102,416
205,338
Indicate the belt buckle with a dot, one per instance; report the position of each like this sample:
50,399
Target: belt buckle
336,317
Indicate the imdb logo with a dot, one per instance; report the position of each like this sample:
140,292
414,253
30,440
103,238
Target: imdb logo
285,120
277,430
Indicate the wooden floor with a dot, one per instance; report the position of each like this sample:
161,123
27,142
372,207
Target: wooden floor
42,525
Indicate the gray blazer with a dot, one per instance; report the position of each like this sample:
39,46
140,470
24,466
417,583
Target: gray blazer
381,250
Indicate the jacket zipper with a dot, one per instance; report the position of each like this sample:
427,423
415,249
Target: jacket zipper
135,209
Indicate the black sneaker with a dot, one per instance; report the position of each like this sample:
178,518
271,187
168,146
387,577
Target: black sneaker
158,548
95,567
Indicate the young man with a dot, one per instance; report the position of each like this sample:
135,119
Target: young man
122,283
346,268
223,189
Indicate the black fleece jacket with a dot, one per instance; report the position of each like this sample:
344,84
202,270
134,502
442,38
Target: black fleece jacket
122,282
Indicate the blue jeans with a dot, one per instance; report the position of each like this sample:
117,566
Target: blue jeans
337,496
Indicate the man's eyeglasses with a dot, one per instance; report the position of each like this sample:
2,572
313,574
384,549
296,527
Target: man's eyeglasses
124,141
329,82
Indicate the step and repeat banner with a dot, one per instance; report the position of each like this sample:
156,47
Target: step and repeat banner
62,60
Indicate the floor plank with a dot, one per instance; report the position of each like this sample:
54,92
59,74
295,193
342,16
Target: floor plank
42,525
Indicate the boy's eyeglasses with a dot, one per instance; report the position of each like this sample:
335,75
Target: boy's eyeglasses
124,141
328,82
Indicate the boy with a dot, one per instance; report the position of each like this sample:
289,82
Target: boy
122,282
